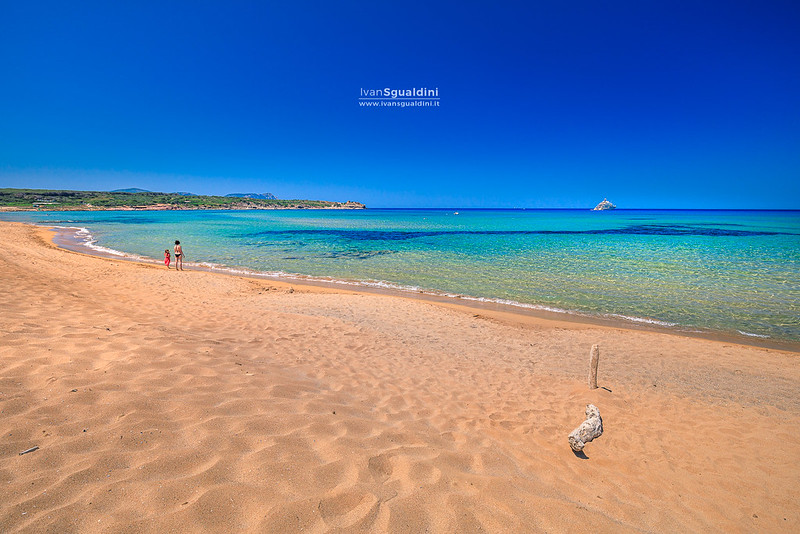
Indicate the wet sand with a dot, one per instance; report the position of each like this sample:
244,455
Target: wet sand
193,401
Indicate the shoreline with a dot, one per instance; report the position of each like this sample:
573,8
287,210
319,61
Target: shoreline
511,311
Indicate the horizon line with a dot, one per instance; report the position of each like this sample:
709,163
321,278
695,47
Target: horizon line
575,209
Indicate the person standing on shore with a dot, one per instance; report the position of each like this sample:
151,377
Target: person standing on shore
178,256
167,258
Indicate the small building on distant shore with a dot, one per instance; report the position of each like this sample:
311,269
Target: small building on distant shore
38,204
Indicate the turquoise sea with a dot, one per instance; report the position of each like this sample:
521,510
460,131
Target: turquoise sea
732,272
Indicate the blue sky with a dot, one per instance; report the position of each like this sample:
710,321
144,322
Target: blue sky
543,104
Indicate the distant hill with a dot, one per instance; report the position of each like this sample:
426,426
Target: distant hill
258,196
136,199
183,194
130,190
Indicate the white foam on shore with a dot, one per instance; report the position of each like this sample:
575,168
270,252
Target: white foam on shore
87,239
381,284
644,320
749,334
84,237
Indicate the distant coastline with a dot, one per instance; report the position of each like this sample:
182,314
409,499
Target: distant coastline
349,205
69,200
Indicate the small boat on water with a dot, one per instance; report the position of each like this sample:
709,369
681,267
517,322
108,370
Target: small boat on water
604,205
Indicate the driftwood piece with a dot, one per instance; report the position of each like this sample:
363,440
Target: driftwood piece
589,430
594,359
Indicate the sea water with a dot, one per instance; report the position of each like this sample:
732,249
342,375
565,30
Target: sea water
735,272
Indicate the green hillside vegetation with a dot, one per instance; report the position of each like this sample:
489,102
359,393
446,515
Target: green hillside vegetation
45,199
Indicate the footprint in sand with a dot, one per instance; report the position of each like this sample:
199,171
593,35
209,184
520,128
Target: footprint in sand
380,467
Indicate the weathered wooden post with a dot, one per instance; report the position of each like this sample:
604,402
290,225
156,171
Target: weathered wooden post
594,359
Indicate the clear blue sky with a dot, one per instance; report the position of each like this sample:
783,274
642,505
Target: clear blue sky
543,104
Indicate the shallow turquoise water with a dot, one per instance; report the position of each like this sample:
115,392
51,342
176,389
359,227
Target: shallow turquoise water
723,271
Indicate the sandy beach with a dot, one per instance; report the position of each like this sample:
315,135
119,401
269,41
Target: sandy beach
164,401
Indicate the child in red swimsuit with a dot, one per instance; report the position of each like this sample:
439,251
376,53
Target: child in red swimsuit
167,258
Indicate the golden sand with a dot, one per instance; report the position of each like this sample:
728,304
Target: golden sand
166,401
